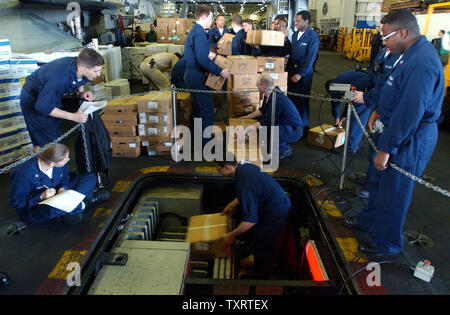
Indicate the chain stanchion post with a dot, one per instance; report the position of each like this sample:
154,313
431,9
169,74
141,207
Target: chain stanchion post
272,123
344,154
174,113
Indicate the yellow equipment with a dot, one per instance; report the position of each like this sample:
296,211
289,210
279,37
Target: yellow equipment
356,45
431,7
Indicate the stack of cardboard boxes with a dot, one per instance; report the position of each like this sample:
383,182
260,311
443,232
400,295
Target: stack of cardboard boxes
120,118
15,142
156,122
173,30
244,76
275,67
247,148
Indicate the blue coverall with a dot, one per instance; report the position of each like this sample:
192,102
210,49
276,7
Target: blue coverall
42,92
301,60
196,51
214,36
177,74
409,106
28,182
238,45
265,203
287,119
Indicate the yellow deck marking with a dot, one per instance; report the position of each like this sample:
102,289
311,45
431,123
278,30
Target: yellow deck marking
349,247
154,169
329,208
121,186
100,212
60,271
206,169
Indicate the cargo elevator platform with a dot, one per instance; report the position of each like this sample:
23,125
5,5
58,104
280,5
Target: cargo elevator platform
125,234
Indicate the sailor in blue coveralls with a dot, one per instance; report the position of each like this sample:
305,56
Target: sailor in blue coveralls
196,51
304,50
43,177
238,45
265,208
287,118
40,98
409,107
217,32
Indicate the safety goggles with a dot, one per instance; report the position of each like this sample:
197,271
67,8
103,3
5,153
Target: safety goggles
389,35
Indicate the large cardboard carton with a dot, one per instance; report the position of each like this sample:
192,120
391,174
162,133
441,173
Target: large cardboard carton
242,110
205,234
270,64
265,38
327,136
121,151
156,133
215,82
121,105
243,64
158,102
159,148
223,62
119,87
243,82
121,130
279,79
123,119
161,119
245,98
125,142
224,44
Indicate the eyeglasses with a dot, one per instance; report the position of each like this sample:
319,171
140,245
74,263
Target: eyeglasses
389,35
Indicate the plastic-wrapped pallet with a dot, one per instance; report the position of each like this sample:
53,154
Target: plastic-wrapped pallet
157,48
176,49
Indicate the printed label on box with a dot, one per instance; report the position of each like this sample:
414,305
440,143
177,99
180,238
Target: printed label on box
142,118
132,145
274,76
152,119
152,131
152,105
145,143
270,66
141,129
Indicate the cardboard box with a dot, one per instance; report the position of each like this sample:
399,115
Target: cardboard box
242,110
9,88
126,142
10,105
161,119
223,62
158,102
126,152
224,44
184,107
119,87
215,82
22,67
265,38
155,133
279,79
241,122
243,82
5,69
121,130
205,234
244,98
334,137
270,64
124,105
243,64
149,141
159,148
123,119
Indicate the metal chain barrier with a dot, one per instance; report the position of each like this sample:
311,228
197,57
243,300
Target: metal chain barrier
312,96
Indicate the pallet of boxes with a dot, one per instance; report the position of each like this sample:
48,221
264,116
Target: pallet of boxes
173,30
120,119
15,142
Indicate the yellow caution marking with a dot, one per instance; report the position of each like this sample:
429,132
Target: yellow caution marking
312,180
121,186
349,247
100,212
206,169
329,208
154,169
70,256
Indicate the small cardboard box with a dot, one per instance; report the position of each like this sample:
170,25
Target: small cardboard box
123,119
243,82
242,110
223,62
121,151
121,105
121,130
126,142
243,64
270,64
265,38
119,87
161,119
205,234
224,44
158,133
245,98
279,79
159,102
334,137
215,82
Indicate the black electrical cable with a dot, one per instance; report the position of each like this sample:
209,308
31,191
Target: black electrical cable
381,262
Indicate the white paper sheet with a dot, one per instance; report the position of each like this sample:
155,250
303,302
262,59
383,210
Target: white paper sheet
90,107
65,201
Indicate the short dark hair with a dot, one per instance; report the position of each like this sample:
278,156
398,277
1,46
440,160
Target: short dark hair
247,21
402,19
90,58
237,19
305,15
226,161
219,16
202,9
